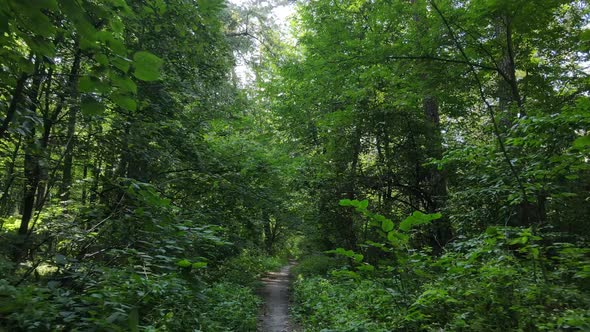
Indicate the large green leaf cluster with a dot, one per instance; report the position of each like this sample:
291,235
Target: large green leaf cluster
506,279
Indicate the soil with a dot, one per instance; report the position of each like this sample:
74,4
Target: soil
274,316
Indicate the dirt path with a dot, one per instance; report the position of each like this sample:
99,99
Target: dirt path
275,313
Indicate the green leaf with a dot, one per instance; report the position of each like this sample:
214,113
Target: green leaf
345,274
77,15
104,36
363,204
125,84
92,84
360,205
535,252
39,23
582,142
42,46
199,265
91,106
117,47
184,263
88,44
375,244
358,258
366,267
86,84
114,317
121,63
417,218
345,202
397,238
133,320
347,253
102,59
117,25
3,23
387,225
124,101
147,66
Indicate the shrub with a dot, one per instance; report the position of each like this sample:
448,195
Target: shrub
503,280
339,305
119,300
247,268
230,307
316,265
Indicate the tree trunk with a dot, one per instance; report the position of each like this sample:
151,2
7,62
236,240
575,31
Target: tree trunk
16,99
268,233
96,169
511,107
31,162
44,143
6,206
436,183
68,155
32,174
84,176
435,180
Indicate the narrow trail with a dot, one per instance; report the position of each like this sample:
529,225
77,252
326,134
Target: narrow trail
275,313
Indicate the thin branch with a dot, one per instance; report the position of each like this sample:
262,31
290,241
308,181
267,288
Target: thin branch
488,106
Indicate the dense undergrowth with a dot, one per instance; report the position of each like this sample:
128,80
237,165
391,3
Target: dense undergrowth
163,283
505,279
477,285
100,298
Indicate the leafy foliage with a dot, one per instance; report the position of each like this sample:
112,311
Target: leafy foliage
483,283
118,203
427,161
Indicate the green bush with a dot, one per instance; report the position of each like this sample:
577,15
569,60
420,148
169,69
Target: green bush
316,265
119,300
27,308
503,280
273,263
338,305
247,268
230,307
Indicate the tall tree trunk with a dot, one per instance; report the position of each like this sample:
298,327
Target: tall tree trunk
32,175
84,190
507,89
17,96
268,233
96,169
49,119
67,173
31,162
69,155
44,143
511,107
6,206
436,180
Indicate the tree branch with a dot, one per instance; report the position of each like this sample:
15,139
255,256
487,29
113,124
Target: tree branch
488,106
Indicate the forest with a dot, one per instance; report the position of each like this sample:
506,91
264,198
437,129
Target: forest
414,165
